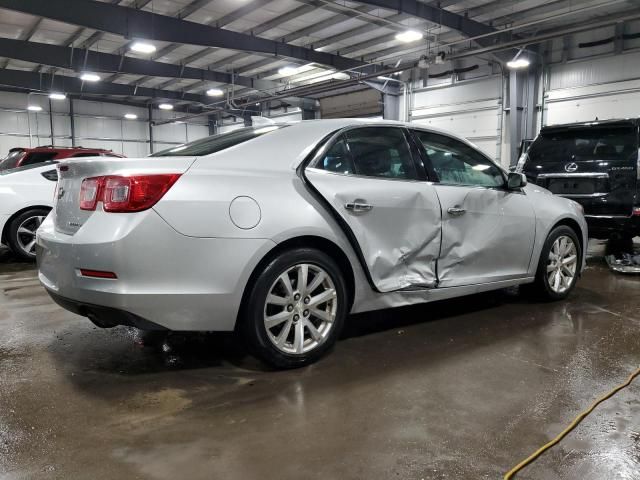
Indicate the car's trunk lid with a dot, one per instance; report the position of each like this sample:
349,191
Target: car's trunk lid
68,215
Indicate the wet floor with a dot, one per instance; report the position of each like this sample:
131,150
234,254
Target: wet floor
452,390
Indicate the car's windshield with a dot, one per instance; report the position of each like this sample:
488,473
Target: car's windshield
593,143
217,143
11,160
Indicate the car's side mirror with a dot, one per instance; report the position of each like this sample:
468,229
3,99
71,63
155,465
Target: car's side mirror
515,181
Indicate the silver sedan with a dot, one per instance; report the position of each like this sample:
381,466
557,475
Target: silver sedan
279,232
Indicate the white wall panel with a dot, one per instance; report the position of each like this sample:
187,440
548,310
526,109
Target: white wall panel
604,88
230,127
470,109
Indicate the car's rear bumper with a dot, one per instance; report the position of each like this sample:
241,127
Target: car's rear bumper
604,226
164,279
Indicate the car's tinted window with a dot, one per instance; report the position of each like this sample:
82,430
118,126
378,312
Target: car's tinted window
591,143
337,159
11,160
86,154
217,143
37,157
456,163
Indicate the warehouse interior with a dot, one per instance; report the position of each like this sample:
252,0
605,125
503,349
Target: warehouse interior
451,389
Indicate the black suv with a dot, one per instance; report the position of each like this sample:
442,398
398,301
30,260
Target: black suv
595,164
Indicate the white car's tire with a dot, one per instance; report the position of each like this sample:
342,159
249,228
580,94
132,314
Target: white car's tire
295,309
21,232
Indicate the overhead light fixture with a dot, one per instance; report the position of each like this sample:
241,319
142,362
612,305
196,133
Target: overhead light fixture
165,106
517,63
340,76
142,47
57,96
409,36
130,116
288,70
34,108
215,92
90,77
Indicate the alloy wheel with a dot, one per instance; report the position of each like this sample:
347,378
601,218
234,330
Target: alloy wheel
26,234
562,264
300,309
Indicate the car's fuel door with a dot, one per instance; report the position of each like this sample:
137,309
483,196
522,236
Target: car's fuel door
393,220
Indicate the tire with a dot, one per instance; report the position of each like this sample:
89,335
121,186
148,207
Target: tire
21,233
292,310
546,285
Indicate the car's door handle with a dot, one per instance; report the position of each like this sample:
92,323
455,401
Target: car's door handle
456,211
358,207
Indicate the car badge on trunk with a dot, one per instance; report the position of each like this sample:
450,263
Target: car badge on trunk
60,193
571,167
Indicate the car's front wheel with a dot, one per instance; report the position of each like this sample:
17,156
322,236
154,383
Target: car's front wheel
295,309
559,264
21,234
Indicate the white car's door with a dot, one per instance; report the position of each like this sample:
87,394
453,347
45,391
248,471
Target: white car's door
369,177
488,231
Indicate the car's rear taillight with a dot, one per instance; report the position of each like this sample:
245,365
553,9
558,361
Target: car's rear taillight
121,194
636,212
89,192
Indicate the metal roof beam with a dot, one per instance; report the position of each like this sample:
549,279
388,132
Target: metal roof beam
65,57
130,23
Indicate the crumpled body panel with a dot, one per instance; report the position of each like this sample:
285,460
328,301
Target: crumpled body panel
491,241
399,237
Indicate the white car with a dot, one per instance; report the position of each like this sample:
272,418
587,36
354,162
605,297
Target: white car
279,232
26,198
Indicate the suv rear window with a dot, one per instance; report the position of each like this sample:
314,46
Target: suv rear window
217,143
592,143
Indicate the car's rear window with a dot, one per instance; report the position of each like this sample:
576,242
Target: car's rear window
11,160
217,143
592,143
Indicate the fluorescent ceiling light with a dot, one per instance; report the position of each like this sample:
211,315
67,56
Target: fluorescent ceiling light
518,63
34,108
165,106
481,168
215,92
288,70
340,76
409,36
130,116
90,77
57,96
142,47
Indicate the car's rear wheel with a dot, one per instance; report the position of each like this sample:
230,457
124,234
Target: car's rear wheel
559,265
295,309
21,235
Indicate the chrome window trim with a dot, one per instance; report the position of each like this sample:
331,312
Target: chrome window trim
573,175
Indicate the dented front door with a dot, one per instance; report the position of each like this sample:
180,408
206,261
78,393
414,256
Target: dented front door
487,235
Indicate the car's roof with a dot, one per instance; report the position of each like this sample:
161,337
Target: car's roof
287,147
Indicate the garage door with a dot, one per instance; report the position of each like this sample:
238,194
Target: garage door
470,109
584,91
365,103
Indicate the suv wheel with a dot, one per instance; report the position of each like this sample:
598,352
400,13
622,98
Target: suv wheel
295,309
21,234
559,264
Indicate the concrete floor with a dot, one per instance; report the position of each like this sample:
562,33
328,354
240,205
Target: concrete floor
461,389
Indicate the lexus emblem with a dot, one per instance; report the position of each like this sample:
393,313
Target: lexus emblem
60,193
571,167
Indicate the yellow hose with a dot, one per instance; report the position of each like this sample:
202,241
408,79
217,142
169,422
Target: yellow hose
510,474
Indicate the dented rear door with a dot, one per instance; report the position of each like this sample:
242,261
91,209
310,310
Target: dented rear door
369,179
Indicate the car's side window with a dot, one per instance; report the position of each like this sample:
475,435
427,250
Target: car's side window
337,159
456,163
381,152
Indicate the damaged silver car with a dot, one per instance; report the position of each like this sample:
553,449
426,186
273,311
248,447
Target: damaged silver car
280,231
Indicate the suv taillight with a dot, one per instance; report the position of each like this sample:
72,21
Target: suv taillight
125,194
